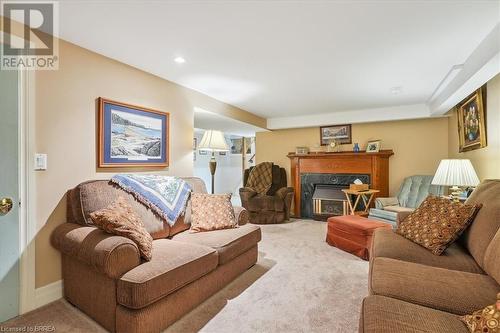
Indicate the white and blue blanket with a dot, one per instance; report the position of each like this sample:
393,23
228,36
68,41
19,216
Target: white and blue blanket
166,196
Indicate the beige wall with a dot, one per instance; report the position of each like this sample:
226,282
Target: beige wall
418,145
486,161
66,131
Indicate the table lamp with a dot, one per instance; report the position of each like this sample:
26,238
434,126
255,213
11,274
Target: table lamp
213,141
455,173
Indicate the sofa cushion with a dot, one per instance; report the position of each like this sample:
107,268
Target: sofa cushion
387,243
173,265
437,223
265,202
98,194
487,222
381,314
398,209
484,320
120,219
212,212
229,243
491,258
442,289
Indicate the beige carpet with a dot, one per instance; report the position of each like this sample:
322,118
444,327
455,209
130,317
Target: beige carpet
300,284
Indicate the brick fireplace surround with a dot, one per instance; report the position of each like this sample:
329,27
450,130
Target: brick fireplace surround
375,165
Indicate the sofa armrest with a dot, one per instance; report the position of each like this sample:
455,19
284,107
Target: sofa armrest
380,203
282,192
246,193
242,215
106,253
401,216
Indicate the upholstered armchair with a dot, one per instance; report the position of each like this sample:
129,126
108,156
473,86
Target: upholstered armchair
412,192
274,206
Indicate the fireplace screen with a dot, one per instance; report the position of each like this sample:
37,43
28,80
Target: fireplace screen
329,200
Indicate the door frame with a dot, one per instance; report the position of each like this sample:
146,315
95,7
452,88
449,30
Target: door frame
27,193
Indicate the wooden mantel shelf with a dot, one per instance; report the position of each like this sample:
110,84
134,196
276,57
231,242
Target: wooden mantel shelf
376,165
387,152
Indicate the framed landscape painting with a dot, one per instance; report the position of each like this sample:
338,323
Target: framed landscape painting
132,136
340,133
471,122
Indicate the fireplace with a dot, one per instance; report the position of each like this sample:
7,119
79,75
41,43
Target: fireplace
329,200
305,168
322,196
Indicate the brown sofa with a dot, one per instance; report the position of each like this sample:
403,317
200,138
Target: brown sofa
412,290
275,206
105,277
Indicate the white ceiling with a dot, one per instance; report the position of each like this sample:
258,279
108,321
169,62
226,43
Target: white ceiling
207,120
289,58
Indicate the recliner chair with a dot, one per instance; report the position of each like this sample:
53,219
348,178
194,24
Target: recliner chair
412,192
274,206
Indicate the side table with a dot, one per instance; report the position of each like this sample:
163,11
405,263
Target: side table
367,197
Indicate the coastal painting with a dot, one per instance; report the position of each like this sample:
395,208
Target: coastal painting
132,135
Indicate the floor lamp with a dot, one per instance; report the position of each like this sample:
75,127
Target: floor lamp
213,141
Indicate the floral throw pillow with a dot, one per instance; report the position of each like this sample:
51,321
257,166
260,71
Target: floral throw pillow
211,212
120,219
437,223
486,320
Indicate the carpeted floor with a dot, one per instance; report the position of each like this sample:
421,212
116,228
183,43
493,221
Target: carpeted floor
299,284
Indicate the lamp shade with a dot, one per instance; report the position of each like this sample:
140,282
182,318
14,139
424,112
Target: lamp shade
213,141
455,173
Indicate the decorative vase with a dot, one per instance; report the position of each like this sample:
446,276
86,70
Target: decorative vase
356,148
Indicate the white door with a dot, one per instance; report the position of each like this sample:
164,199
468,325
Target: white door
9,195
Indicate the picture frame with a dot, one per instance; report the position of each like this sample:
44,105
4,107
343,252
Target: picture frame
471,114
341,133
195,145
237,146
132,136
373,146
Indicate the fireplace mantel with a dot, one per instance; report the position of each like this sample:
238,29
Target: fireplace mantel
374,164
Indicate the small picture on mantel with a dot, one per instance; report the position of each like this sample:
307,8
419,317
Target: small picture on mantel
341,134
373,146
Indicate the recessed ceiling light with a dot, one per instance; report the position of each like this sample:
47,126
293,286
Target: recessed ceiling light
179,60
396,90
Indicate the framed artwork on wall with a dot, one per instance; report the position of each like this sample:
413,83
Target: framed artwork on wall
132,136
471,116
340,133
237,145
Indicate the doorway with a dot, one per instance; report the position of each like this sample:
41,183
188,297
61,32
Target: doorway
10,247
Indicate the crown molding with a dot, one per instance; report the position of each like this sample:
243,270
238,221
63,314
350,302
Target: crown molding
404,112
481,66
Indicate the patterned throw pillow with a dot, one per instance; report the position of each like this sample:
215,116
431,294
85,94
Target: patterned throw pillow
437,223
211,212
486,320
120,219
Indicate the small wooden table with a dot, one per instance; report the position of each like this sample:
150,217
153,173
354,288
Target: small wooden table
366,196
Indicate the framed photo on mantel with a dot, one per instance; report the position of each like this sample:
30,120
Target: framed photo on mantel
132,136
340,133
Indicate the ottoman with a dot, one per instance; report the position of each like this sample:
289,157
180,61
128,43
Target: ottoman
353,233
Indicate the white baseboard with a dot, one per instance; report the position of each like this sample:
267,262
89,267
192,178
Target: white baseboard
49,293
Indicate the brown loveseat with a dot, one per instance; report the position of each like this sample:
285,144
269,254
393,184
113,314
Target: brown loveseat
412,290
105,277
275,206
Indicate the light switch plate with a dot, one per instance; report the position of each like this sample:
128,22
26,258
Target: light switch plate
40,161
